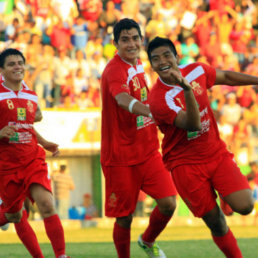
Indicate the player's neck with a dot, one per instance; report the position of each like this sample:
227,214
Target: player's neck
15,86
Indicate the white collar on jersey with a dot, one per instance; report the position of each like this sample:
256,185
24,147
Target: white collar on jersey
24,85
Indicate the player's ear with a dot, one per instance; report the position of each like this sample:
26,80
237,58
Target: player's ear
142,39
177,59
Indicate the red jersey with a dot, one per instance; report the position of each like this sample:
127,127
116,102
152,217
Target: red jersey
126,139
180,146
17,108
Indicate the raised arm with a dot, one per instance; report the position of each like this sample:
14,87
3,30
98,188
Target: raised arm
188,119
234,78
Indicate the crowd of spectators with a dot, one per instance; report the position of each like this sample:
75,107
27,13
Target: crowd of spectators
67,44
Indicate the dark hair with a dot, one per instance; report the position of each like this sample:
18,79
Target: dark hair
125,24
9,52
158,42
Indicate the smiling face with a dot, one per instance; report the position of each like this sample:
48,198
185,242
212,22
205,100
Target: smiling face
13,69
129,45
163,61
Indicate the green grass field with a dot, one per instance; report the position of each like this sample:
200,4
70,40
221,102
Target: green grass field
176,241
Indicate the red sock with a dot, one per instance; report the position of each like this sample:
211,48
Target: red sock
228,245
157,223
3,219
55,233
28,237
122,237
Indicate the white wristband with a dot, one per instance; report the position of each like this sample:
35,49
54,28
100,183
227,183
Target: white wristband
150,115
131,104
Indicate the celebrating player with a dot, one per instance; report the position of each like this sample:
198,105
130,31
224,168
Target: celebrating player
129,149
23,170
198,159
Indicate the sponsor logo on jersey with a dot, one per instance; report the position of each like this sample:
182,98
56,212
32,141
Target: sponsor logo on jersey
30,106
143,121
21,114
136,84
196,87
21,126
143,94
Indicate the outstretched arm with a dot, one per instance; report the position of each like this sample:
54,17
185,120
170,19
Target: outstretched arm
234,78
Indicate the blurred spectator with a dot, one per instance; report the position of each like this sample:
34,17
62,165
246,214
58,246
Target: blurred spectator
250,115
80,62
219,5
238,40
203,28
83,101
217,100
252,67
94,45
132,10
68,93
81,82
245,96
97,64
62,68
35,47
43,77
60,35
226,131
109,50
156,27
62,185
94,92
232,111
108,18
12,30
66,10
79,34
224,26
189,51
90,9
242,137
212,50
91,211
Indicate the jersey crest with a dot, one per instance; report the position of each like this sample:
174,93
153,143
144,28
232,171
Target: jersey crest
196,87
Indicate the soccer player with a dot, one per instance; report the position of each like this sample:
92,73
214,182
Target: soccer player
23,170
198,160
129,145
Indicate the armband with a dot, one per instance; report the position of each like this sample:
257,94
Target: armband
131,104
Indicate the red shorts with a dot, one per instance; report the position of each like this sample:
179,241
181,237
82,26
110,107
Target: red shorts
124,183
14,188
196,183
